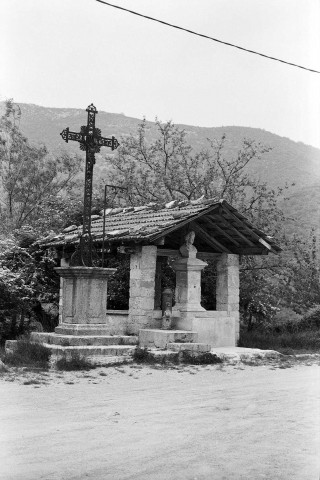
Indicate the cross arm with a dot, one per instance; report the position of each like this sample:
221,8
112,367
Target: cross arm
108,142
67,135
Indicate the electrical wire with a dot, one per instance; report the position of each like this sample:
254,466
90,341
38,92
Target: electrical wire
208,37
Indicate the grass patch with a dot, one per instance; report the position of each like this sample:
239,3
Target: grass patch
75,362
142,355
32,382
27,354
285,342
206,358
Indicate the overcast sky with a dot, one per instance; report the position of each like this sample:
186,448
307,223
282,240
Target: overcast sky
63,53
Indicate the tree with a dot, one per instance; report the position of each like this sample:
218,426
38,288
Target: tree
168,169
300,280
34,184
27,279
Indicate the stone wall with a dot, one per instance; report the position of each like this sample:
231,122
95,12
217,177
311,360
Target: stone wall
117,322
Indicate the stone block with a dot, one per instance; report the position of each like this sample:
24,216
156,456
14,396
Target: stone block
134,292
149,284
149,257
216,331
157,338
189,347
136,304
135,274
134,282
84,294
148,274
227,260
147,293
148,303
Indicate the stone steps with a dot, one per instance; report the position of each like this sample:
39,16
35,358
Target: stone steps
153,338
83,340
91,350
95,329
189,347
169,344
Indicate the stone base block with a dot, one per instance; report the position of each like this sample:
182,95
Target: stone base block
189,347
235,355
90,350
149,338
83,340
213,327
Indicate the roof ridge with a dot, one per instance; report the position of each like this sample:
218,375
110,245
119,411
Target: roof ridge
154,206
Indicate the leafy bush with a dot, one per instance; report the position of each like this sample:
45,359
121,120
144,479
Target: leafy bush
311,319
200,358
284,342
27,278
142,355
27,354
118,283
297,323
75,362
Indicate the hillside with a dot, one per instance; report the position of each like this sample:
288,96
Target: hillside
286,162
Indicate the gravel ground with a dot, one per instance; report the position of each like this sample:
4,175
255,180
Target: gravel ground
146,423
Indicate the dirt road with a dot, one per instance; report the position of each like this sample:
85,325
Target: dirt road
191,423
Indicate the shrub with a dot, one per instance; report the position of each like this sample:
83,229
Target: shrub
75,362
297,323
283,342
28,354
142,355
311,319
200,358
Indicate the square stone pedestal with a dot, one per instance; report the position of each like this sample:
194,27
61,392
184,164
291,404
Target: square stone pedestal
83,297
188,284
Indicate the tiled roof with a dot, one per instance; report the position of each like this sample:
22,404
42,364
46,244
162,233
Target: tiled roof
148,222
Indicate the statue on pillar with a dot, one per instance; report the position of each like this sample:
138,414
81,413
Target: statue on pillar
188,250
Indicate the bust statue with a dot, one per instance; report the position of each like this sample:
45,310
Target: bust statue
188,249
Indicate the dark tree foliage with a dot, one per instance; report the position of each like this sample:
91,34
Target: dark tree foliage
27,279
35,186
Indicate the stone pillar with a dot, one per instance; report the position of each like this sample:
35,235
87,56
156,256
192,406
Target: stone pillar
227,289
188,284
188,277
84,294
142,288
63,263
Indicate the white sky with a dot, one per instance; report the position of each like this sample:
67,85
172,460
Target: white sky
69,53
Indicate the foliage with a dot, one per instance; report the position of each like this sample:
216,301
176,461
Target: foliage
75,362
34,185
28,354
27,278
118,283
206,358
168,169
300,279
285,342
142,355
208,285
309,321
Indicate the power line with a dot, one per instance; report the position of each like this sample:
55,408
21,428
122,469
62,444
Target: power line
206,36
